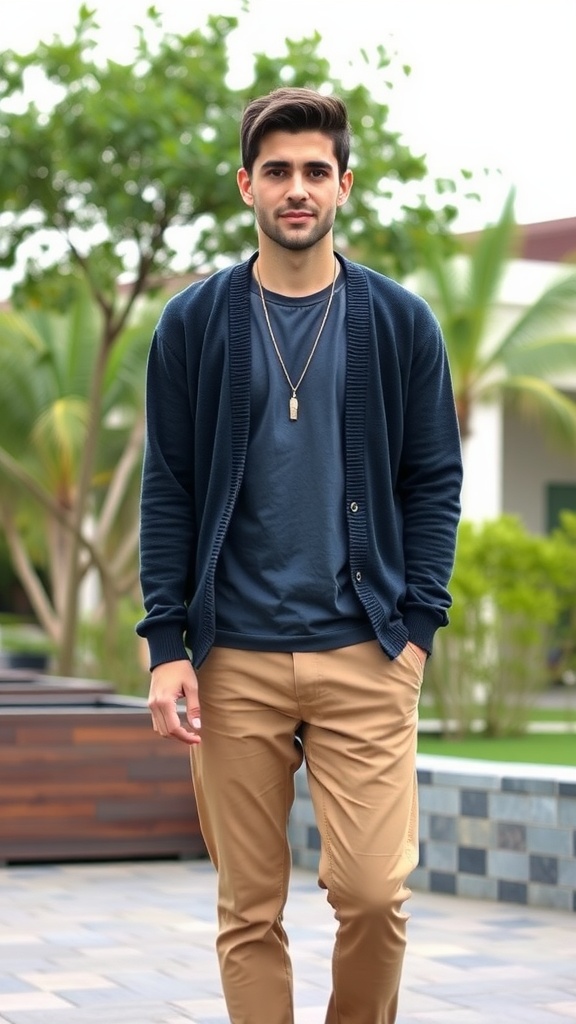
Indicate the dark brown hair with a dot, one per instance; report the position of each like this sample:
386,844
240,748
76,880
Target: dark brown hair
295,110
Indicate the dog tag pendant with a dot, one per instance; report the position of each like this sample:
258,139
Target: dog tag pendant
294,408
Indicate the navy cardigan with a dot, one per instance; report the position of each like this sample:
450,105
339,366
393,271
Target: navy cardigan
402,450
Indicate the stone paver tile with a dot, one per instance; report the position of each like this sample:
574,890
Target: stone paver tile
533,1015
202,1007
456,1015
12,939
31,1001
563,1009
137,1013
9,983
56,982
153,984
437,950
111,953
422,1002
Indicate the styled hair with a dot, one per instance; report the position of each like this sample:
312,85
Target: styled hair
291,109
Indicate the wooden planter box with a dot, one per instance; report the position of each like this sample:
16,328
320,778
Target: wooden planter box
84,777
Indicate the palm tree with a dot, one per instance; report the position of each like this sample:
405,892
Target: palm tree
520,364
47,362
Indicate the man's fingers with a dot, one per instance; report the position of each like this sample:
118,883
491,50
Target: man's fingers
171,682
166,722
184,735
170,727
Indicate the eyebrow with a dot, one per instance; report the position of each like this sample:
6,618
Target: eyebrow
312,164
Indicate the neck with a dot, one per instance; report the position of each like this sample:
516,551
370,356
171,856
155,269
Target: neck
295,273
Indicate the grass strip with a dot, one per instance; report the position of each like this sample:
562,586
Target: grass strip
541,748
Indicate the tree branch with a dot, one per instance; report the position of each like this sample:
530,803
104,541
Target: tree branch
144,268
124,552
120,480
29,578
16,472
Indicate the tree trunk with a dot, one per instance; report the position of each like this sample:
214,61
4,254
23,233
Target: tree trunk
73,576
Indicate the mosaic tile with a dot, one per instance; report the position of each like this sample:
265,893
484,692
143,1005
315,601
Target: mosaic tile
508,864
511,836
556,841
441,856
512,892
543,869
439,799
474,803
471,861
443,828
567,812
476,887
443,882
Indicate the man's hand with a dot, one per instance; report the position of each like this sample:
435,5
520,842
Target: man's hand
170,682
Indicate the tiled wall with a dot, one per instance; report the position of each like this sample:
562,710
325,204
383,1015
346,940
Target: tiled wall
488,830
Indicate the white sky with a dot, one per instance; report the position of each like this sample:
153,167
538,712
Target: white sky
493,82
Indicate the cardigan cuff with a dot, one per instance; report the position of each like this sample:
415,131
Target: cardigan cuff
166,644
422,625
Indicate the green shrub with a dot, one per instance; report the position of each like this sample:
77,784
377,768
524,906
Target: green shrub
512,592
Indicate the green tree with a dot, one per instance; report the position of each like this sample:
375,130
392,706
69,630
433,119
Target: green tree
130,164
517,363
46,365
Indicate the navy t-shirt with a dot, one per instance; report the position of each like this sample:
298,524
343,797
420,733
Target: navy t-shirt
283,580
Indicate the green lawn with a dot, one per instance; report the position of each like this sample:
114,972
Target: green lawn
540,748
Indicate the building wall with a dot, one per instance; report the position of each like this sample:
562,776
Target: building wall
509,462
529,464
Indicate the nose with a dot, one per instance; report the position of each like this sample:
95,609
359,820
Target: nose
297,188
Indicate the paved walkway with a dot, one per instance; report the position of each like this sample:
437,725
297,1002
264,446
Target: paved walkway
133,944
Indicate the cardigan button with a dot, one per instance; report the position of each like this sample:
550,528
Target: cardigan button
358,576
353,506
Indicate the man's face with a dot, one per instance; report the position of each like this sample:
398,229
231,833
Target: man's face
295,188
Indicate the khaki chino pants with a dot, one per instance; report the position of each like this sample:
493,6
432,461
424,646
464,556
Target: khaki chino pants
355,713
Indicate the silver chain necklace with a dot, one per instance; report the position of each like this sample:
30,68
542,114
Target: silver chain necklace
293,406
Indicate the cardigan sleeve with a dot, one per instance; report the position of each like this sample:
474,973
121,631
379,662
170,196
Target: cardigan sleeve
429,482
167,518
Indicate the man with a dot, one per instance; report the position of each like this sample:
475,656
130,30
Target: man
299,509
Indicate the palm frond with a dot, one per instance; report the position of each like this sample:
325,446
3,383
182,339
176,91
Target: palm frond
81,331
544,357
538,400
464,291
489,258
549,314
125,369
58,438
21,329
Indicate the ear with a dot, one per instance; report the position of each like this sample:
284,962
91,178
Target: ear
345,187
245,186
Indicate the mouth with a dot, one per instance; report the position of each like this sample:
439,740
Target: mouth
296,216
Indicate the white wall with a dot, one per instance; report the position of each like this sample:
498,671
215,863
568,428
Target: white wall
482,488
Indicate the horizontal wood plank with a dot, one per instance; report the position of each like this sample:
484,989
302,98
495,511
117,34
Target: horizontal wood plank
68,849
91,783
64,787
